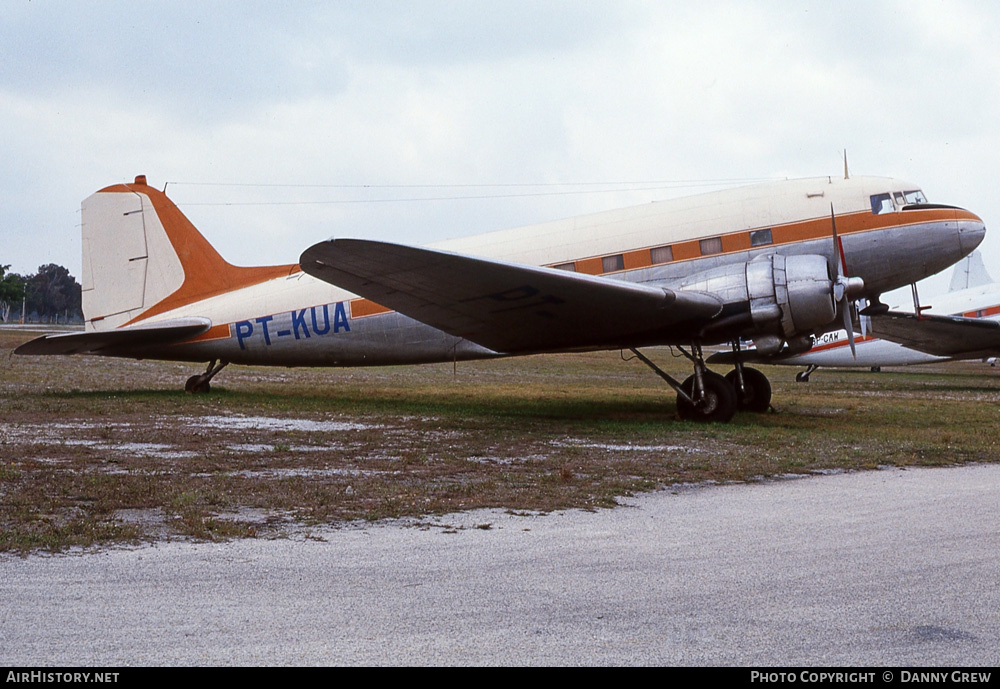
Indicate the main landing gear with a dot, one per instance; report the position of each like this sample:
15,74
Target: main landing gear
707,396
753,390
198,385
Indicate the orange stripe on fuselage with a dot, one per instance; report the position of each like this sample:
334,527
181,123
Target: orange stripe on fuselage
982,313
216,332
858,339
789,233
365,307
206,273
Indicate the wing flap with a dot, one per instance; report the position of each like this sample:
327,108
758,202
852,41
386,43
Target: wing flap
951,336
118,340
504,306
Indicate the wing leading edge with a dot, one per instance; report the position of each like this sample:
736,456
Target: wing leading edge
507,307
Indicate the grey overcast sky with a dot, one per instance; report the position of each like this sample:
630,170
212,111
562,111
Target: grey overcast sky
372,101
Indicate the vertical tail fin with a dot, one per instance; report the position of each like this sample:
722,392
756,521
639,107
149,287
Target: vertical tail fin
969,272
142,257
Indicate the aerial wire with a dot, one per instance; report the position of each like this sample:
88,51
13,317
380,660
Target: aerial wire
568,188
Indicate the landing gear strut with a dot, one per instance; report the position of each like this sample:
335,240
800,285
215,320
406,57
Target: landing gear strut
704,396
753,390
803,376
717,401
197,385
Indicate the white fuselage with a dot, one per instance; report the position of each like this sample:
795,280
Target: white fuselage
154,267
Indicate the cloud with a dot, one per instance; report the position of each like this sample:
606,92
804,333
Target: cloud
375,94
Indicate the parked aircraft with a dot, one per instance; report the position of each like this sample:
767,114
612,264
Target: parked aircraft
778,262
961,324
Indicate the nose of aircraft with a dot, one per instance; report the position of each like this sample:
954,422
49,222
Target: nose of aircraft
971,233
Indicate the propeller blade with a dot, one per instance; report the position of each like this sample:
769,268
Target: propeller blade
833,262
844,286
849,327
838,247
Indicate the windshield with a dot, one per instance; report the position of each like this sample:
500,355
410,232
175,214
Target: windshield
893,201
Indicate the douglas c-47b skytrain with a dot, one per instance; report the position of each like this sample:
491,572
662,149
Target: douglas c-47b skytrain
777,263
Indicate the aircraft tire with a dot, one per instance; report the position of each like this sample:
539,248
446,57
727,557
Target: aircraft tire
718,406
196,385
801,377
756,395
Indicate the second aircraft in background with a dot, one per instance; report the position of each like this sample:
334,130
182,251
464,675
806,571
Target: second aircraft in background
963,323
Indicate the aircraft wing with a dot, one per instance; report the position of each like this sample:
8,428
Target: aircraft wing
507,307
951,336
121,340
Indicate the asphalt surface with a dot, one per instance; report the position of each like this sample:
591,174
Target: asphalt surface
893,567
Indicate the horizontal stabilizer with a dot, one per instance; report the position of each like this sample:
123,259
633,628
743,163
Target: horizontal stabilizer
951,336
746,356
507,307
119,340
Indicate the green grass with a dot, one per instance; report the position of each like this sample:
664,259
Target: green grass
102,451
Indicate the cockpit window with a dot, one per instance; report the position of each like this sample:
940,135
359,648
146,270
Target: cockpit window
882,203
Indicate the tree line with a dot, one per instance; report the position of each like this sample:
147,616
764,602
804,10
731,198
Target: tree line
50,295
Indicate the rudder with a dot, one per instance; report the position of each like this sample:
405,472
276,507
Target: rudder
128,262
142,257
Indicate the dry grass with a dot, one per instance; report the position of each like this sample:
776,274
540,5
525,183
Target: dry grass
96,451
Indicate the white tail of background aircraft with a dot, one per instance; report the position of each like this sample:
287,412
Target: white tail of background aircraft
779,263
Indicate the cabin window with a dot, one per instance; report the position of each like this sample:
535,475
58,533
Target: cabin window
882,203
915,196
613,263
711,246
761,237
661,254
571,266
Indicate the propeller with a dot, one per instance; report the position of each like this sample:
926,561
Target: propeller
844,288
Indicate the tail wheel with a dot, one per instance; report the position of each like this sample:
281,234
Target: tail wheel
199,385
718,405
756,395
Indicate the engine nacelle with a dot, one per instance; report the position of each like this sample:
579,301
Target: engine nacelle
787,295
